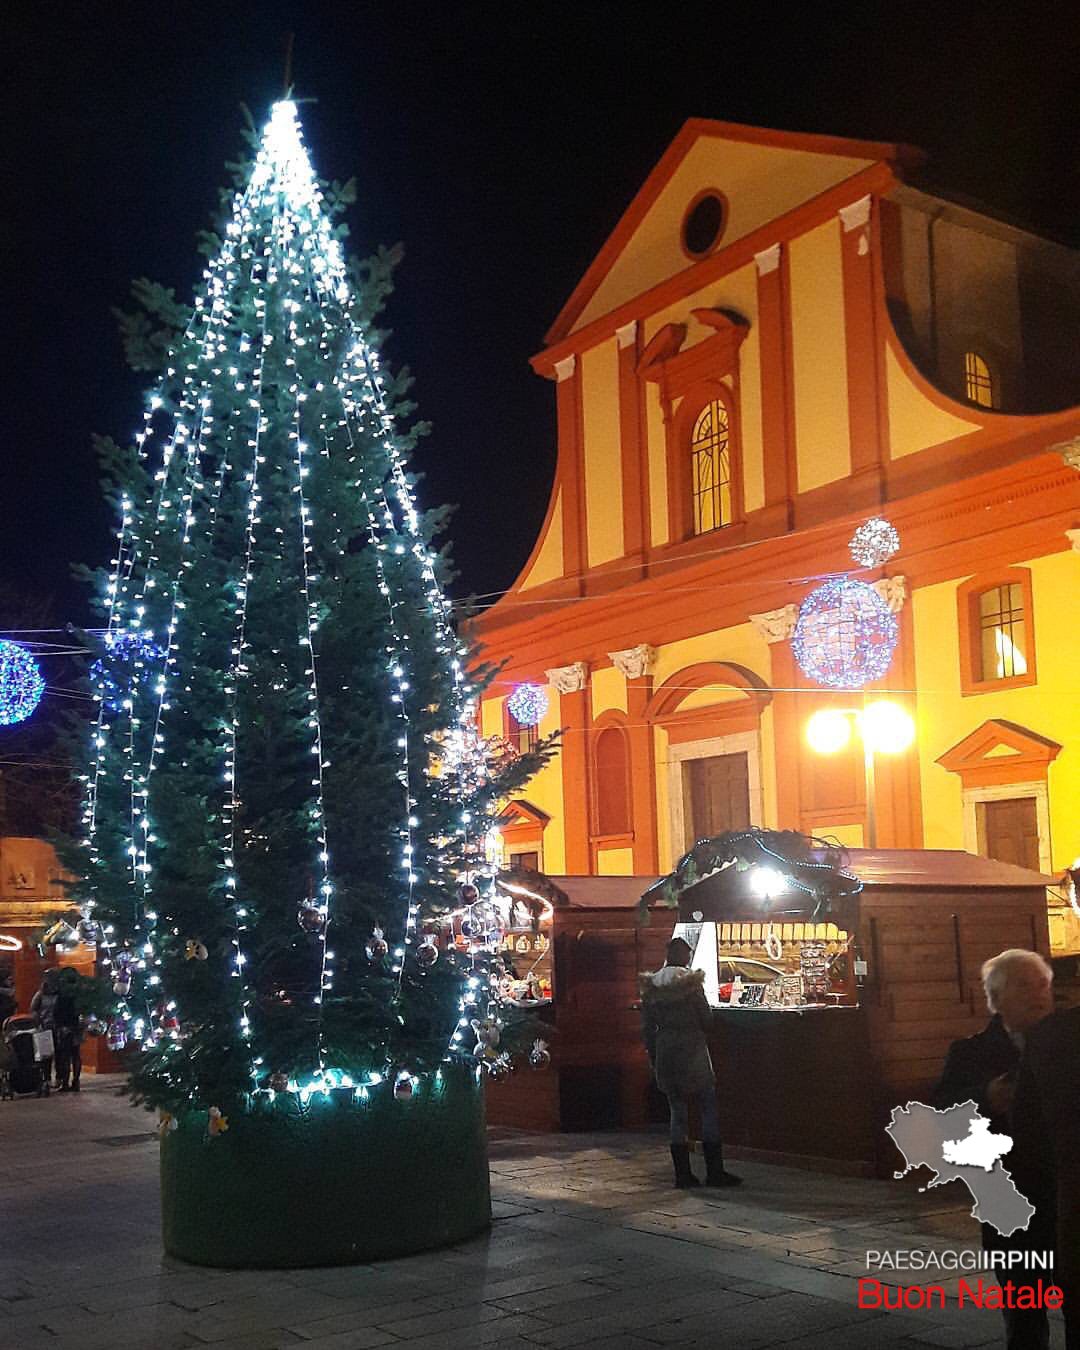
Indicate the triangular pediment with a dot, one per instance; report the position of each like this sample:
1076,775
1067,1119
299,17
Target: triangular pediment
761,176
999,747
521,812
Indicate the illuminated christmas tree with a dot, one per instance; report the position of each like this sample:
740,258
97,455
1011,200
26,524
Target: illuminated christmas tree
276,817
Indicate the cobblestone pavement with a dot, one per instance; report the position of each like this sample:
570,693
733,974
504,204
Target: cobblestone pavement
590,1247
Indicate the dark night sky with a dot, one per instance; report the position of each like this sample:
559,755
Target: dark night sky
500,143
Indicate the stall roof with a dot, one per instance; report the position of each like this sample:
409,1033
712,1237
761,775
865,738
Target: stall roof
604,892
942,868
939,868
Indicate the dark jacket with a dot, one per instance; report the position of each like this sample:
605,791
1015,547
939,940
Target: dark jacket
1046,1133
972,1064
677,1016
66,1020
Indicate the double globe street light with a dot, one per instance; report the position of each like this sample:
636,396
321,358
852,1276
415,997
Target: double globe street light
885,728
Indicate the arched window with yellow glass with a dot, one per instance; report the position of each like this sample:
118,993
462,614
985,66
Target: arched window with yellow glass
979,380
711,475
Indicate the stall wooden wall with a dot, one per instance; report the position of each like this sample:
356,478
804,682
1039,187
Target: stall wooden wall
925,990
600,1076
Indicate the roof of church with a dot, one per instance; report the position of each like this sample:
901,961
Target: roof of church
694,130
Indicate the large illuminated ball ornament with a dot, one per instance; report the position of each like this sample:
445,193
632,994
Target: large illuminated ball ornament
874,542
21,683
845,635
128,653
527,704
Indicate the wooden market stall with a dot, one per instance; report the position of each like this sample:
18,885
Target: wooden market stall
876,989
32,897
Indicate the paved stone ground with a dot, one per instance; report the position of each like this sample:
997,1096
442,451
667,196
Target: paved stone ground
590,1247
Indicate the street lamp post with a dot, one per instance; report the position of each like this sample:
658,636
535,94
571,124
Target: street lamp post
884,728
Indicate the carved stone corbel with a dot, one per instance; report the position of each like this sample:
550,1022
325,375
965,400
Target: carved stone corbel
1069,452
776,625
568,679
893,590
634,662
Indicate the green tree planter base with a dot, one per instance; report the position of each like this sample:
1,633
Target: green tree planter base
343,1184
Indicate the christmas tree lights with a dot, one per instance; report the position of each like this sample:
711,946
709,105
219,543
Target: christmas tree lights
272,783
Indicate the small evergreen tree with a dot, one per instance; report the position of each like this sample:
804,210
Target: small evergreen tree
284,764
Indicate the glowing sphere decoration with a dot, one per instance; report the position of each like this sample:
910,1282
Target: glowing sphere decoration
845,635
828,731
887,728
527,704
874,542
128,653
21,683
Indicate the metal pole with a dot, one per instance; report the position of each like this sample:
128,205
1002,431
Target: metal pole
870,840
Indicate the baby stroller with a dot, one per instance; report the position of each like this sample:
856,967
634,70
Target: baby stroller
25,1058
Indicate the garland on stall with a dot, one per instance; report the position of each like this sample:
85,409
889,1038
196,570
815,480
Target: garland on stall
805,863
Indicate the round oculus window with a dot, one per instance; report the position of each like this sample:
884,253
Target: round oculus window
704,224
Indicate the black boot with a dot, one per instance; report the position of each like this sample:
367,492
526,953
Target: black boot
714,1167
684,1177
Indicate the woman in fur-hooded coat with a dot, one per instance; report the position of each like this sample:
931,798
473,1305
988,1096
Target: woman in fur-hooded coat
677,1017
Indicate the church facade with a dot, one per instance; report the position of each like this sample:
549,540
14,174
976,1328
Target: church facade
783,337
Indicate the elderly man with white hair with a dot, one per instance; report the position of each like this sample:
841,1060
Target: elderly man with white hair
983,1069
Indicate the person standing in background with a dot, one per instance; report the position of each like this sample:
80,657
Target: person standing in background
677,1016
67,1033
1045,1162
983,1069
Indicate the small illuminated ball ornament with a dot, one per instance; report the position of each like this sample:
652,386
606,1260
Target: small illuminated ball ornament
874,542
21,683
845,635
527,704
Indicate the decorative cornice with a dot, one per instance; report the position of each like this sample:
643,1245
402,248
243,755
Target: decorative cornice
626,335
855,216
568,679
565,368
768,260
893,590
634,662
776,625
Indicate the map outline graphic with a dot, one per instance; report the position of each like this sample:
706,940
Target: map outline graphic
932,1138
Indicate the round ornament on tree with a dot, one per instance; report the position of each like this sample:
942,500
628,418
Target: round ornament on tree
845,635
311,918
21,683
539,1055
377,946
